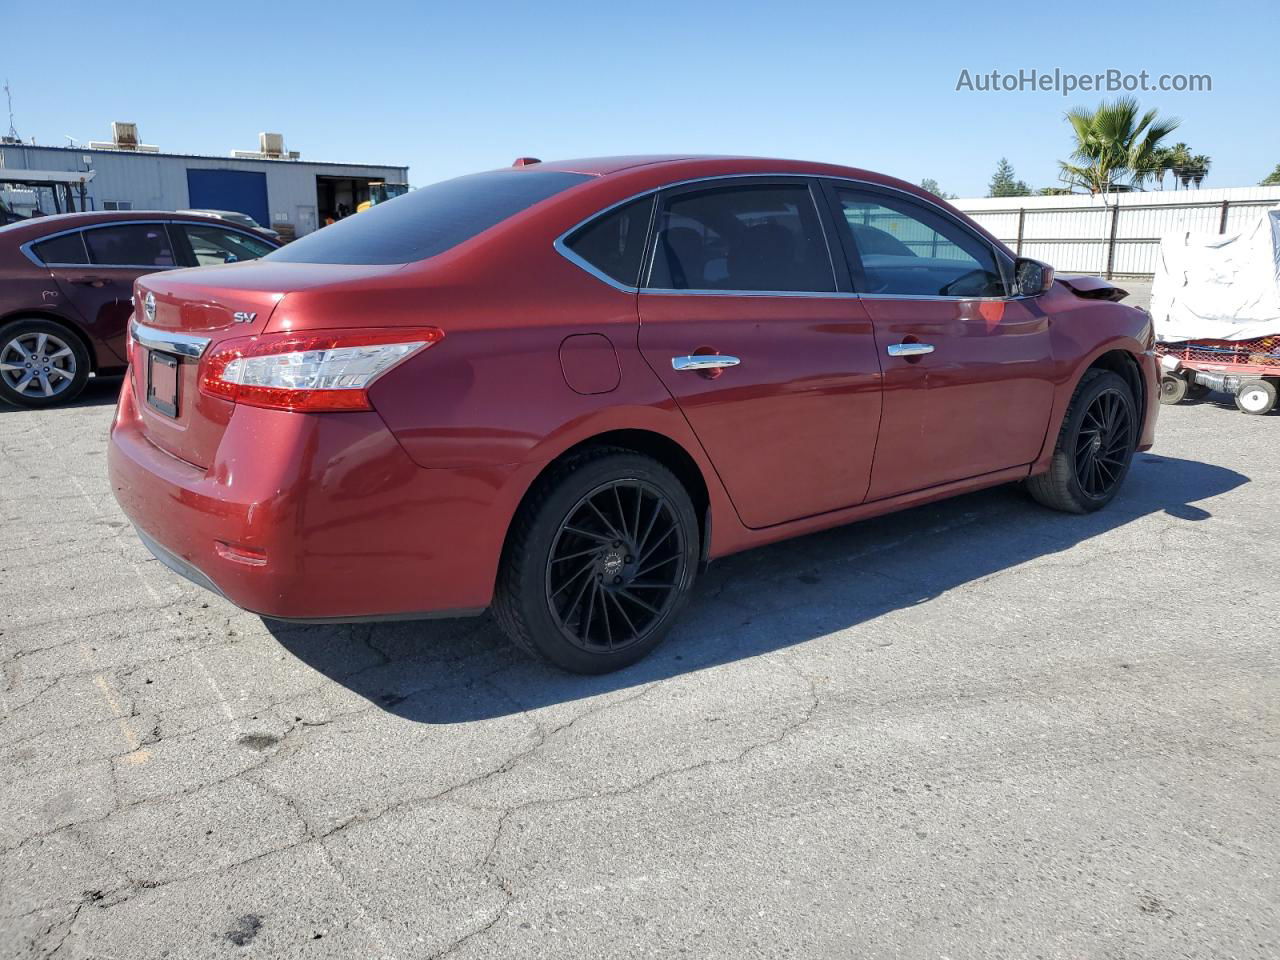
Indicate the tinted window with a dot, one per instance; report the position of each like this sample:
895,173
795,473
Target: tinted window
130,245
215,245
751,237
909,250
68,248
429,221
614,243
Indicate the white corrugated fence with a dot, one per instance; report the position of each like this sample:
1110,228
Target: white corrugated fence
1118,237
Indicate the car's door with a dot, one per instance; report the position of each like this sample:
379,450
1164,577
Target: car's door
100,288
775,370
967,368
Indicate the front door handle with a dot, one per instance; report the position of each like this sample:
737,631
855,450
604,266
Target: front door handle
705,361
92,281
909,349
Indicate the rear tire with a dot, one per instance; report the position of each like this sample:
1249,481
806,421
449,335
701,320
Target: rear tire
1256,397
1094,449
599,562
42,363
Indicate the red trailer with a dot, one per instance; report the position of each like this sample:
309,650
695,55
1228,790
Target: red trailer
1249,370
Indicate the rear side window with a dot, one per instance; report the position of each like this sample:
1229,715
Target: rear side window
130,245
68,248
758,237
429,221
212,245
614,242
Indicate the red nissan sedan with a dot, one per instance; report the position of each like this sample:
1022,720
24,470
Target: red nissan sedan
558,389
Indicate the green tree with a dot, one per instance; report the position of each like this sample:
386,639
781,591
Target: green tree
1113,145
1004,184
930,184
1272,179
1200,164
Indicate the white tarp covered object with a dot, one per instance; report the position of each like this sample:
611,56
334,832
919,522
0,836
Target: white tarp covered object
1219,286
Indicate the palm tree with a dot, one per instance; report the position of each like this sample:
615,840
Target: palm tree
1200,168
1180,160
1114,144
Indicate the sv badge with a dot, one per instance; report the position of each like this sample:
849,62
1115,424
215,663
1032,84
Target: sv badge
243,316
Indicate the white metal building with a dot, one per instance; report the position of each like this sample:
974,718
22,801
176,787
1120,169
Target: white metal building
274,187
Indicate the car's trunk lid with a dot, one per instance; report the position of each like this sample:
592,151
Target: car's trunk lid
184,314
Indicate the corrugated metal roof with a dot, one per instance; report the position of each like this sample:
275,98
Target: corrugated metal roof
201,156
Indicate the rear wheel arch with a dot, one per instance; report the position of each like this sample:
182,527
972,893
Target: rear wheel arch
70,327
658,446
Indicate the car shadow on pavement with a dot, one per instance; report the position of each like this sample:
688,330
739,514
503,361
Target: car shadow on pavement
98,392
750,604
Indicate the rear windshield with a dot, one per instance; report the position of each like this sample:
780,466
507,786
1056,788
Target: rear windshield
429,221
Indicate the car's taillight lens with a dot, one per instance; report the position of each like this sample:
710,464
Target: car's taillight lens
308,372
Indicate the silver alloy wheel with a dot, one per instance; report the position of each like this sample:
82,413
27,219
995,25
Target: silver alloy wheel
37,364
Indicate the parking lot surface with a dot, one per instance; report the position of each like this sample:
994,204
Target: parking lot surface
975,729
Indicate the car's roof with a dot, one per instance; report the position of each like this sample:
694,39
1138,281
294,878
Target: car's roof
693,166
69,221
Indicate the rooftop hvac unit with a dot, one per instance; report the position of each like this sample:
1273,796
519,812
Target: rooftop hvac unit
124,136
271,144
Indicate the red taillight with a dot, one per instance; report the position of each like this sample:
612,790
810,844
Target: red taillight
308,371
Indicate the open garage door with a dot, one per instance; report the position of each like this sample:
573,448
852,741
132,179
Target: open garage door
244,191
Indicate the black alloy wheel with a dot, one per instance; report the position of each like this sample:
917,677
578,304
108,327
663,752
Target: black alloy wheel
1104,442
1094,448
616,565
599,561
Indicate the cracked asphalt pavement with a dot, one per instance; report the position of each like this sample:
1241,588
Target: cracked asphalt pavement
975,729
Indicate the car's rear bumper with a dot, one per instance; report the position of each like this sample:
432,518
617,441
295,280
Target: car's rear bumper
316,517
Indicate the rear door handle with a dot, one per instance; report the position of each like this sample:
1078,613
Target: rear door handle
909,349
705,361
92,281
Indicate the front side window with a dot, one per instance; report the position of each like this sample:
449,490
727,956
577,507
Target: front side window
752,237
429,221
68,248
613,243
130,245
212,245
904,249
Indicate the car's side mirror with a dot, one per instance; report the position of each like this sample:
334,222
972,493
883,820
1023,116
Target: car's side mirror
1031,277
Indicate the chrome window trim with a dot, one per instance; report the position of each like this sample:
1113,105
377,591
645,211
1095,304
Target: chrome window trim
170,341
30,254
562,248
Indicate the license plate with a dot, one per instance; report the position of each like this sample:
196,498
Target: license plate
162,382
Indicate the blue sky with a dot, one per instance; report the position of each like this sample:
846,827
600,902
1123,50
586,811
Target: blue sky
450,88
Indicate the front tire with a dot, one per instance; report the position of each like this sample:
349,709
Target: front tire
1094,449
42,363
599,562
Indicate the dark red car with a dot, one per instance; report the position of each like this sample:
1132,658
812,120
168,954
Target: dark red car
557,390
66,287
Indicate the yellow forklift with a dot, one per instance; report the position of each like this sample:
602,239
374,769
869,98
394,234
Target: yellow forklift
380,192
